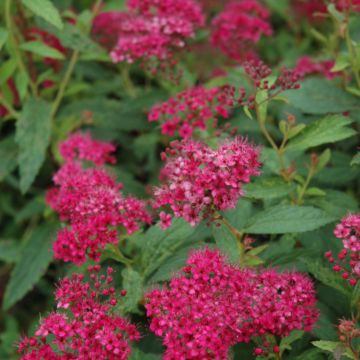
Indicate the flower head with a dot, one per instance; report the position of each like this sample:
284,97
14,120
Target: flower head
84,326
240,25
198,180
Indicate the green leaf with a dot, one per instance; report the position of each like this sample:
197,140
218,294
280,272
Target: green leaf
342,62
33,262
21,82
46,10
226,242
6,70
355,298
157,245
335,347
296,130
323,160
40,48
9,251
268,188
137,354
356,160
330,129
133,284
327,276
319,96
314,191
283,219
8,155
286,342
312,354
3,37
32,135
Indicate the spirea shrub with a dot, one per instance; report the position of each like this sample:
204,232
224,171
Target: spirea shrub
183,176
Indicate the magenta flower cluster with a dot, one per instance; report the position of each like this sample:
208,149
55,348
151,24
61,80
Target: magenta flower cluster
198,180
91,201
213,305
348,259
239,26
195,109
150,29
84,326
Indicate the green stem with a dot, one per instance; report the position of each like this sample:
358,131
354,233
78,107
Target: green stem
305,186
18,57
73,60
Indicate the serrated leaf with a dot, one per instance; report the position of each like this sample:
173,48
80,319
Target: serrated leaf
33,131
226,242
33,262
330,129
268,188
327,276
46,10
319,96
9,251
283,219
3,36
8,154
40,48
133,284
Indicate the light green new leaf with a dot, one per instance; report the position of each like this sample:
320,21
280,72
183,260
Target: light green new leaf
133,284
46,10
31,265
283,219
6,70
329,129
33,132
39,48
334,346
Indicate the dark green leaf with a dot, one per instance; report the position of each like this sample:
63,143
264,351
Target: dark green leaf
3,37
8,154
327,276
33,262
268,188
133,284
283,219
226,242
32,135
318,96
46,10
9,251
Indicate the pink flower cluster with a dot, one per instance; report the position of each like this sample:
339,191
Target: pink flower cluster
241,24
91,201
86,327
307,66
212,305
193,109
349,257
348,5
199,180
151,30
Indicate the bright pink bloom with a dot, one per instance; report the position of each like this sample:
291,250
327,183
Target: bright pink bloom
196,108
348,5
239,26
150,30
349,257
83,327
312,10
212,305
307,66
91,201
83,147
197,180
